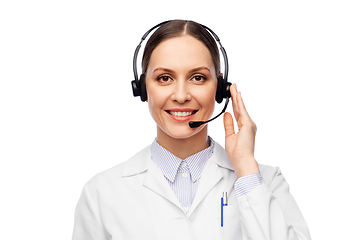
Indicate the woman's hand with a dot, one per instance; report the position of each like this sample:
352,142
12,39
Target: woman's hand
240,146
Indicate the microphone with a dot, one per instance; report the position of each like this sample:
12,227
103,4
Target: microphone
195,124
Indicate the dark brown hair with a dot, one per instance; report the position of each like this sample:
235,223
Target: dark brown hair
177,28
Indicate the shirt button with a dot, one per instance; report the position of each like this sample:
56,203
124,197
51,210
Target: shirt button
183,164
184,175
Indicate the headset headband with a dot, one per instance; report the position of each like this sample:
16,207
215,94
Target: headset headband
222,49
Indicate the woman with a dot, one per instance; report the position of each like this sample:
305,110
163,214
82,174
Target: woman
185,185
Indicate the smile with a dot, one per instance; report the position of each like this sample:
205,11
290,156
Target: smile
181,114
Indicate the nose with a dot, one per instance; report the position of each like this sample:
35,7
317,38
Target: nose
181,92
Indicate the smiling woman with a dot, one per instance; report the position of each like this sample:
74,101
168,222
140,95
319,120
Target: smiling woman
185,185
181,77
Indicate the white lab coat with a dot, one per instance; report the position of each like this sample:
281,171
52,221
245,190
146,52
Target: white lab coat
133,201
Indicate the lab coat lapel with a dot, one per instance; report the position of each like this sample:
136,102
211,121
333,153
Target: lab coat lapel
211,174
156,182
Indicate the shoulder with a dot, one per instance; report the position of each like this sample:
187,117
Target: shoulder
271,175
137,164
269,172
220,155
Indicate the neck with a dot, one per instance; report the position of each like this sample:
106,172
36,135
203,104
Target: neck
184,147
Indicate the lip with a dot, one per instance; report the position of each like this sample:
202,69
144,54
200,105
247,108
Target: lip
181,118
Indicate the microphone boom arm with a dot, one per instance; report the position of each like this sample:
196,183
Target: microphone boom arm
195,124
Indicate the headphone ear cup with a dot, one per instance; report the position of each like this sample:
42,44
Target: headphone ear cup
143,93
220,89
227,93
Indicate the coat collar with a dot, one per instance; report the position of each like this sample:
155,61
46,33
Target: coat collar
140,162
220,157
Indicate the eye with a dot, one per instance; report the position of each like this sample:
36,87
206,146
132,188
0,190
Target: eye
163,79
199,78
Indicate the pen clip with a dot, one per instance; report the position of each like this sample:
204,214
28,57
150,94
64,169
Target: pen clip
224,202
225,196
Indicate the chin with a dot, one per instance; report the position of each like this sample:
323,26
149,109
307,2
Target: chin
182,132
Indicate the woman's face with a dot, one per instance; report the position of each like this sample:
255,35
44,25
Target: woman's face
181,85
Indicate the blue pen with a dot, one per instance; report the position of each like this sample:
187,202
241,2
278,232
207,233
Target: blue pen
224,202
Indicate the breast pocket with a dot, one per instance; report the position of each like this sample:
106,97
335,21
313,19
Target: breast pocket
231,228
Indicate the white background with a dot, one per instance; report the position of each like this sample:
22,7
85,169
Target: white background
67,110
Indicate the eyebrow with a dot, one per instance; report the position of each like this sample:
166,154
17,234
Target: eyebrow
199,68
163,69
172,71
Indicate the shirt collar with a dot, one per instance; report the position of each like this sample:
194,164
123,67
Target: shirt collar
169,164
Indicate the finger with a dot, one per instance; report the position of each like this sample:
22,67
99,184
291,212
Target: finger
228,125
241,106
233,90
244,118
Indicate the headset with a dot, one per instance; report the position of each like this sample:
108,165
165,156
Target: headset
223,86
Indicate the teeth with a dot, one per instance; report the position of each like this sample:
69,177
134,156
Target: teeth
181,114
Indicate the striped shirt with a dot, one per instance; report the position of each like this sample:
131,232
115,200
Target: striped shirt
247,183
183,175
